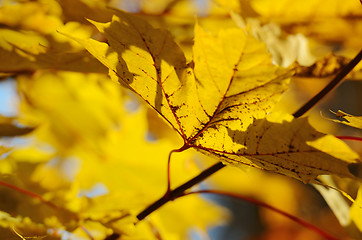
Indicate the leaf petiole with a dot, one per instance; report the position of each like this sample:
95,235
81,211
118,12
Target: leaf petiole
183,148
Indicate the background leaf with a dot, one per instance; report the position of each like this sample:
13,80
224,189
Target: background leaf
347,119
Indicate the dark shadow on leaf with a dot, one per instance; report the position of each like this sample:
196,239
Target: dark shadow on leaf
282,148
10,130
138,38
56,56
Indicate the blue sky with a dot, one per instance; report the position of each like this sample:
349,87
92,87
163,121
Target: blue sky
8,98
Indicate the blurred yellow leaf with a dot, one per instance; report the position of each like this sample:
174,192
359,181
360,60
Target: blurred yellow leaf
242,7
284,48
207,217
306,10
38,45
356,210
98,170
49,111
331,22
328,66
348,119
39,16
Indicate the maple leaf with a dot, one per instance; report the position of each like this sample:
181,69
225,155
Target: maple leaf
215,102
170,86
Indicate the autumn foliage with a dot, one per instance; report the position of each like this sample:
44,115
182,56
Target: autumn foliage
128,112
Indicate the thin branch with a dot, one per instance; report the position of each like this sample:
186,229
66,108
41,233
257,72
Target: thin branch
267,206
180,190
337,79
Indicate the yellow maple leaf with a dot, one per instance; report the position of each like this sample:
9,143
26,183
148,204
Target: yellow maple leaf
170,86
215,104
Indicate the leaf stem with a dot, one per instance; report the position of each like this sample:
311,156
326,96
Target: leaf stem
267,206
172,194
183,148
337,79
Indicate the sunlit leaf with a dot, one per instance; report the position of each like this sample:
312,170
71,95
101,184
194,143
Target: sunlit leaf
169,85
215,104
279,145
